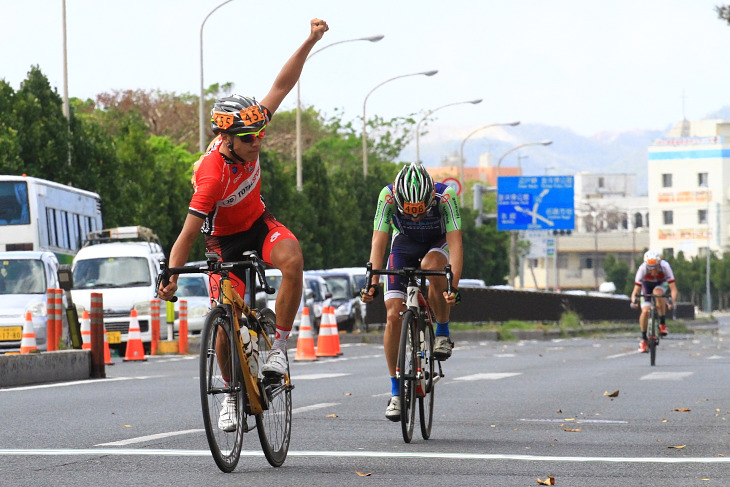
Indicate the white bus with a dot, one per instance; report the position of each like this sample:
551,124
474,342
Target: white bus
36,214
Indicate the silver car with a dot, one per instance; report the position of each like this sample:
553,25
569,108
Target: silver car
195,290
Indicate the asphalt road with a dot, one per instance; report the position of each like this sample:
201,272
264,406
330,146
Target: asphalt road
506,414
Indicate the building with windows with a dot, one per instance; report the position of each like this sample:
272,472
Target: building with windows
689,186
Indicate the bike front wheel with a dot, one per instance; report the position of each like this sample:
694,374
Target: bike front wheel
407,369
221,388
425,401
653,340
274,423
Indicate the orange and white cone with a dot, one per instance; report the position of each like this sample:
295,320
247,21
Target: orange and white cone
107,352
135,347
27,341
328,341
85,331
305,342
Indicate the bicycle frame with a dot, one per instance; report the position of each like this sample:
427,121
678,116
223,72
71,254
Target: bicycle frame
236,306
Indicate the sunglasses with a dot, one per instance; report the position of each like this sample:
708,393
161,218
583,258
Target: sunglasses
250,137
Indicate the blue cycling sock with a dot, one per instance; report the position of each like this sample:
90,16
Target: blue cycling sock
394,386
442,329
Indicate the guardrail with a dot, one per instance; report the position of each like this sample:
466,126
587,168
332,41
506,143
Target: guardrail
499,305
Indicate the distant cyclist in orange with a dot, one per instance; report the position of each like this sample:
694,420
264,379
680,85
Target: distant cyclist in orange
654,276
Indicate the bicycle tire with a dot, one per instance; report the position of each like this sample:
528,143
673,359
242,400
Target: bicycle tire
224,446
407,367
274,424
653,339
425,403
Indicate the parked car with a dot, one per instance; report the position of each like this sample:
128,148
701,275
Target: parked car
320,293
273,277
478,283
24,278
195,290
345,284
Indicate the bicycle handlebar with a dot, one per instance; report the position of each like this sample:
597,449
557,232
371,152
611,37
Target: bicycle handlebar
215,266
408,272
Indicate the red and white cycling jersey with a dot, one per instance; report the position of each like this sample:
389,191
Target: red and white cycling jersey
227,194
643,276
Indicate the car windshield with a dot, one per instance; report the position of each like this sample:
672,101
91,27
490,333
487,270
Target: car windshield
111,272
27,276
339,286
188,286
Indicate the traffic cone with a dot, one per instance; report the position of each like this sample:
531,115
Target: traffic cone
305,342
27,341
107,352
135,348
328,341
86,331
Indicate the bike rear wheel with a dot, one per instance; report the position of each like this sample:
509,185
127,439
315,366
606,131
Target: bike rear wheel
407,368
653,340
274,424
224,445
425,403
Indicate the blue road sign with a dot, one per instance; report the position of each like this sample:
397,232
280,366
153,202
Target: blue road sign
535,203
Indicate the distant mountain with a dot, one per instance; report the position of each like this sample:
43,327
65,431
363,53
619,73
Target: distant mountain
569,153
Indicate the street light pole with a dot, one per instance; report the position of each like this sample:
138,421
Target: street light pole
418,125
707,273
365,120
201,103
513,234
461,151
299,104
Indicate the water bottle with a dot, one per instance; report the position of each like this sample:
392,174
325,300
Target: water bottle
246,340
253,355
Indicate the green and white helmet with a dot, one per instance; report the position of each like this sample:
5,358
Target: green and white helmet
413,189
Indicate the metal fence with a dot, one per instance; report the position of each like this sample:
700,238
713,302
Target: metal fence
497,305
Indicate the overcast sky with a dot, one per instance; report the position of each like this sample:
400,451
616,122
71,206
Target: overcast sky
585,65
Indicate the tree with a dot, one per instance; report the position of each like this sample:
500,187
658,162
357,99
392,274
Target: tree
723,13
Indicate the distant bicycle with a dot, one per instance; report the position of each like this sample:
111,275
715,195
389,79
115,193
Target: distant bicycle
235,343
653,335
417,368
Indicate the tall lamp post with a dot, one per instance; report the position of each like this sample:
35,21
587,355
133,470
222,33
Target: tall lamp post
418,125
707,271
513,234
201,104
299,103
461,149
365,120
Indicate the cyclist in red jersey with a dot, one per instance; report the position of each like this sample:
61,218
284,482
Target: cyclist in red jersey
227,205
654,276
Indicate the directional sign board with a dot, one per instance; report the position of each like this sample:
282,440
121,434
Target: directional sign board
535,203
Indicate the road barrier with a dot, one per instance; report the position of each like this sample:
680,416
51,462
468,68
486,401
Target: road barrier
500,305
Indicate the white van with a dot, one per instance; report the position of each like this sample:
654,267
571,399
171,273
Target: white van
122,264
24,278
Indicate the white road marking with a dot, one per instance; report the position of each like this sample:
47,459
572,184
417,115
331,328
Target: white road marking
666,376
142,439
619,355
74,383
489,376
504,355
313,407
604,421
317,376
362,454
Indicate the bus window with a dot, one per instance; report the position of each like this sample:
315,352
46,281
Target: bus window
14,203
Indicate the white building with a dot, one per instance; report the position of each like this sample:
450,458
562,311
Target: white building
689,188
